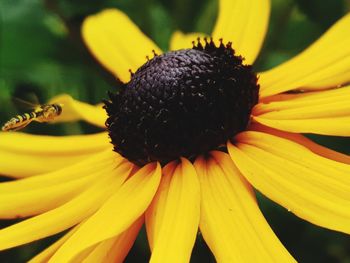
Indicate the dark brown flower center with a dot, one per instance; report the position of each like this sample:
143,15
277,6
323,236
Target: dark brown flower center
182,103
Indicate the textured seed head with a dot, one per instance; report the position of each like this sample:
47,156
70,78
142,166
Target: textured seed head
182,103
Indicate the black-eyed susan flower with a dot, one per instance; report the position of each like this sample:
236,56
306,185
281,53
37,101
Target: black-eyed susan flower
193,130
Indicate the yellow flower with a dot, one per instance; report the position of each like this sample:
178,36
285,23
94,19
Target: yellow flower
78,182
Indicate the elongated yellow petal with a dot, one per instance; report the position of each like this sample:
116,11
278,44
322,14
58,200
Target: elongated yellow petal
41,193
180,40
244,22
322,112
67,215
150,227
25,155
117,42
312,187
94,163
296,151
24,165
46,254
116,215
81,256
331,68
115,249
339,126
73,110
33,202
45,145
231,222
173,217
298,138
321,104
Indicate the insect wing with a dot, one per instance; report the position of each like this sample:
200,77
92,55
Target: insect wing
24,104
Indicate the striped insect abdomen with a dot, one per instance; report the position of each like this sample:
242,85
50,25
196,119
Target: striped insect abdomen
19,121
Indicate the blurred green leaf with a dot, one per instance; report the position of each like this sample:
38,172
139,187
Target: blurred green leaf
324,13
207,17
162,26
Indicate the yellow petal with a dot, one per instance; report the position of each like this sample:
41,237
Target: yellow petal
244,22
23,165
24,155
231,222
321,104
116,215
81,256
68,214
115,250
339,126
180,40
37,194
173,217
324,64
75,171
73,110
117,42
312,187
94,163
53,145
322,112
298,138
46,254
33,202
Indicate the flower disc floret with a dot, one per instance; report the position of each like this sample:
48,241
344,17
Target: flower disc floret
182,103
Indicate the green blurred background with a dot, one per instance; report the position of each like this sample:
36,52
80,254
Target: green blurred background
41,53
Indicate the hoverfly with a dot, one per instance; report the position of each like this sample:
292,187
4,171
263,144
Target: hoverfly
40,113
